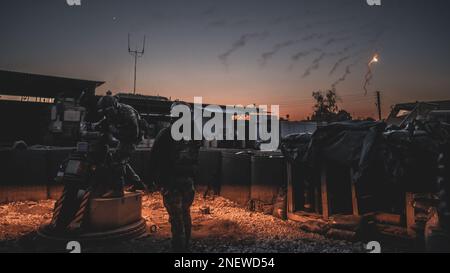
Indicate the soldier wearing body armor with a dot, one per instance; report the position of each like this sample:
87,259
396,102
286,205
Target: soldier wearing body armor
174,167
122,123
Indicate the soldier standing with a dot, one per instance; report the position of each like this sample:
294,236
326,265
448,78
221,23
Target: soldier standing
173,164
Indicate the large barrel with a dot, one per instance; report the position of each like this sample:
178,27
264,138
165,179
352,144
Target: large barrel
209,162
268,176
236,176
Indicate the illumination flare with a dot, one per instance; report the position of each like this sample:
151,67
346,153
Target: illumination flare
369,75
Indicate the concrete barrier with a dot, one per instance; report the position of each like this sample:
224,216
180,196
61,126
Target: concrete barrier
29,167
236,176
209,161
5,165
268,176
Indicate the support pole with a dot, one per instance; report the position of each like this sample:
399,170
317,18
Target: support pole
324,190
378,104
354,194
290,193
410,215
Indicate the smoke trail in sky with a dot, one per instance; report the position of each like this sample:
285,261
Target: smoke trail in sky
338,63
241,42
266,56
335,40
296,57
316,62
347,72
344,76
315,65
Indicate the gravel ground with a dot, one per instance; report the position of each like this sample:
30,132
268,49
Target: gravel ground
227,229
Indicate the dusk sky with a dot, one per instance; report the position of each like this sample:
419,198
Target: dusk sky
239,51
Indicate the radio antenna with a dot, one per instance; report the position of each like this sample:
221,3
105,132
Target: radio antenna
136,54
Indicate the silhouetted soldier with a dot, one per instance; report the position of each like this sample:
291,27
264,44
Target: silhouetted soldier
122,122
173,164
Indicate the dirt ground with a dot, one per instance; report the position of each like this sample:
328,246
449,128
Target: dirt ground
227,229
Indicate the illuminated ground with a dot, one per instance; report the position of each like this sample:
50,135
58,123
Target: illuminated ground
227,229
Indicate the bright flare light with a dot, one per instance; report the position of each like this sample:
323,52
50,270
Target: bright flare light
374,59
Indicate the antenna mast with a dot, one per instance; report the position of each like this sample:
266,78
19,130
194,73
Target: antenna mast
136,54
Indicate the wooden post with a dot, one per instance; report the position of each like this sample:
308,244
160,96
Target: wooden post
324,190
410,217
354,194
316,199
290,192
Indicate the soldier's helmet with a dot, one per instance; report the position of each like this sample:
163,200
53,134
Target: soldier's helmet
107,104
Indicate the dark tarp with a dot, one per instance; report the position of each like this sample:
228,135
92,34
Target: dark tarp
406,157
410,156
347,143
294,146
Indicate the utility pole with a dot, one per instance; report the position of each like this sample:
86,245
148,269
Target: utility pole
136,54
378,103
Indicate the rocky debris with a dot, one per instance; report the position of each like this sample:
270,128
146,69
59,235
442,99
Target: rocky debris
20,218
232,229
227,228
341,234
314,226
